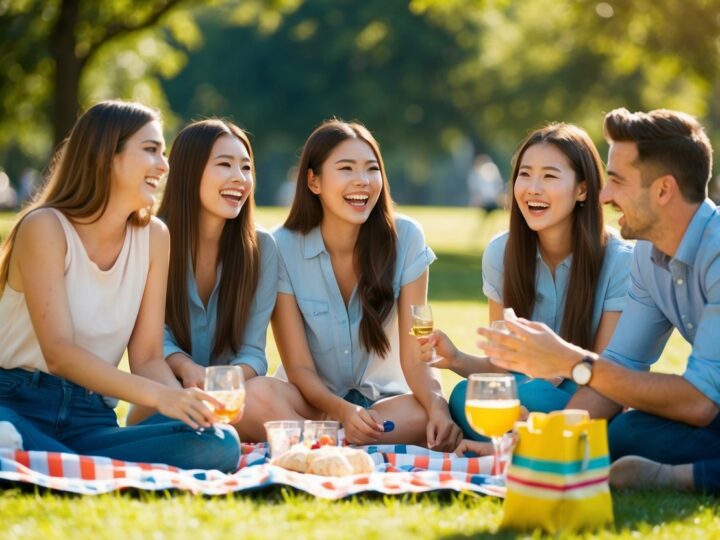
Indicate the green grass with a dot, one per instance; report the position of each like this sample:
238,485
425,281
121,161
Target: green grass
457,236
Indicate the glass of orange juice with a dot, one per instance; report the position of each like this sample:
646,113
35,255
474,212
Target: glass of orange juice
227,385
492,408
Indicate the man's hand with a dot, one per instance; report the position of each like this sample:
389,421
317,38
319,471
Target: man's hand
531,348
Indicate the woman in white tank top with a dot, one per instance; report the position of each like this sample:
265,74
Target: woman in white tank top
83,278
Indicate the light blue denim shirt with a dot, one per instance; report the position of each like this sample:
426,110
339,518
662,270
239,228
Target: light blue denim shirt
550,294
332,331
680,292
203,322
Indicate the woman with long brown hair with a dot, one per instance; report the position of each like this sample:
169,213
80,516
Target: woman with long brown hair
349,271
223,270
557,264
83,276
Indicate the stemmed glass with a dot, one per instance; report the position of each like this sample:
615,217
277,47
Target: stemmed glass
492,408
422,324
227,385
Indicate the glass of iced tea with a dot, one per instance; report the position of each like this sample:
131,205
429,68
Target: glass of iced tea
227,385
492,408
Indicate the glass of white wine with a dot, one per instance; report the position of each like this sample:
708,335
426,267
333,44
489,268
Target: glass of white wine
492,407
227,385
423,324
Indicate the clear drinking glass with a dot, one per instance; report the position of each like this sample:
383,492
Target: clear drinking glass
492,408
422,324
282,435
227,385
317,433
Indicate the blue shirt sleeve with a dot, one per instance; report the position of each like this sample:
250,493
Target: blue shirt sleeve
620,258
417,255
170,346
642,330
703,367
284,285
492,268
252,350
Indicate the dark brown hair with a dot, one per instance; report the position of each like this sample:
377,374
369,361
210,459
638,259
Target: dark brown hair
668,142
375,247
79,176
238,252
588,236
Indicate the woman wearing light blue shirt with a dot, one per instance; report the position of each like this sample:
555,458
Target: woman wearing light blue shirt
557,264
349,271
222,282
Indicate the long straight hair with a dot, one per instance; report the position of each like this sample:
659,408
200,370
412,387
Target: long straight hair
375,247
588,236
78,182
238,250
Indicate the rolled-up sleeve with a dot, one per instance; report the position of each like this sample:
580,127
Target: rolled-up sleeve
492,268
618,276
252,351
642,330
418,256
703,368
284,285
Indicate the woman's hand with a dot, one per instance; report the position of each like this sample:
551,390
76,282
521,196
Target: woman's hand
187,405
192,375
443,434
445,351
362,426
476,447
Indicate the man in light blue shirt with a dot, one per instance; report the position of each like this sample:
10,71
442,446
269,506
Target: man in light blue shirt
658,167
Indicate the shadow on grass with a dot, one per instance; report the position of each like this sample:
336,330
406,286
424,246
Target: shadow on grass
637,515
456,276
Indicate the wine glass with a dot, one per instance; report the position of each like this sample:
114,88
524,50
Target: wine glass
227,385
422,324
492,408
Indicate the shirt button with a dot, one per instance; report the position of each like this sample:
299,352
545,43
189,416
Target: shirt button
346,351
679,281
690,326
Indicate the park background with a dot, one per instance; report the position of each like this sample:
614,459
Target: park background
438,82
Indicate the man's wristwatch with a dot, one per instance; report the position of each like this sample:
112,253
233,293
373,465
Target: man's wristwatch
582,372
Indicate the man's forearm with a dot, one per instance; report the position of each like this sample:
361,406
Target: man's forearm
668,396
596,404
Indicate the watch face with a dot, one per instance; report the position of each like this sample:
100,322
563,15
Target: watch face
581,373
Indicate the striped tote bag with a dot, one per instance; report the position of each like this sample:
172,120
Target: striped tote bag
558,476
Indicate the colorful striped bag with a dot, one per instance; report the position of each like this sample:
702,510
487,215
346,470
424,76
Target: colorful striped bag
558,476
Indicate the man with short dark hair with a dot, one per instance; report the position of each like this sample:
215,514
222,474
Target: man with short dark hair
659,165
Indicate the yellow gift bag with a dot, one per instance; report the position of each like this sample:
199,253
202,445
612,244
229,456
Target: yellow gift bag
558,476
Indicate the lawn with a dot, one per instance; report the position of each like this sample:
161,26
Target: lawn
457,236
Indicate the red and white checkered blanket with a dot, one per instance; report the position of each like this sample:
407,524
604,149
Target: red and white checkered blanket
398,469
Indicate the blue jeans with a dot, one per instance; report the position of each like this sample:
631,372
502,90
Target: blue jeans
56,415
641,434
537,395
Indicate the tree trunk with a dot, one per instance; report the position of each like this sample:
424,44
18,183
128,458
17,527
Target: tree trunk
68,67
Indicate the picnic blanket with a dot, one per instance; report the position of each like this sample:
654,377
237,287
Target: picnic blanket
398,469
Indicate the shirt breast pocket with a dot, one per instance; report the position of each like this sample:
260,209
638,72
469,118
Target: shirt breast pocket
318,324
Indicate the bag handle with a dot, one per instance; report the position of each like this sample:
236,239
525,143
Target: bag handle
584,441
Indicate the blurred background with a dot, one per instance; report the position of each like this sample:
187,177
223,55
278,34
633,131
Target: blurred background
449,87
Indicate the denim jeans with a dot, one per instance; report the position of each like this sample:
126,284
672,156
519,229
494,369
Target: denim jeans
54,414
537,395
641,434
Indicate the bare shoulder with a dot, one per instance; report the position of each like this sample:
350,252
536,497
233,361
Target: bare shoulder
40,227
159,236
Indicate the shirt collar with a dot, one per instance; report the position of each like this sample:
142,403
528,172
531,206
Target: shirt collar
690,243
313,244
566,262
